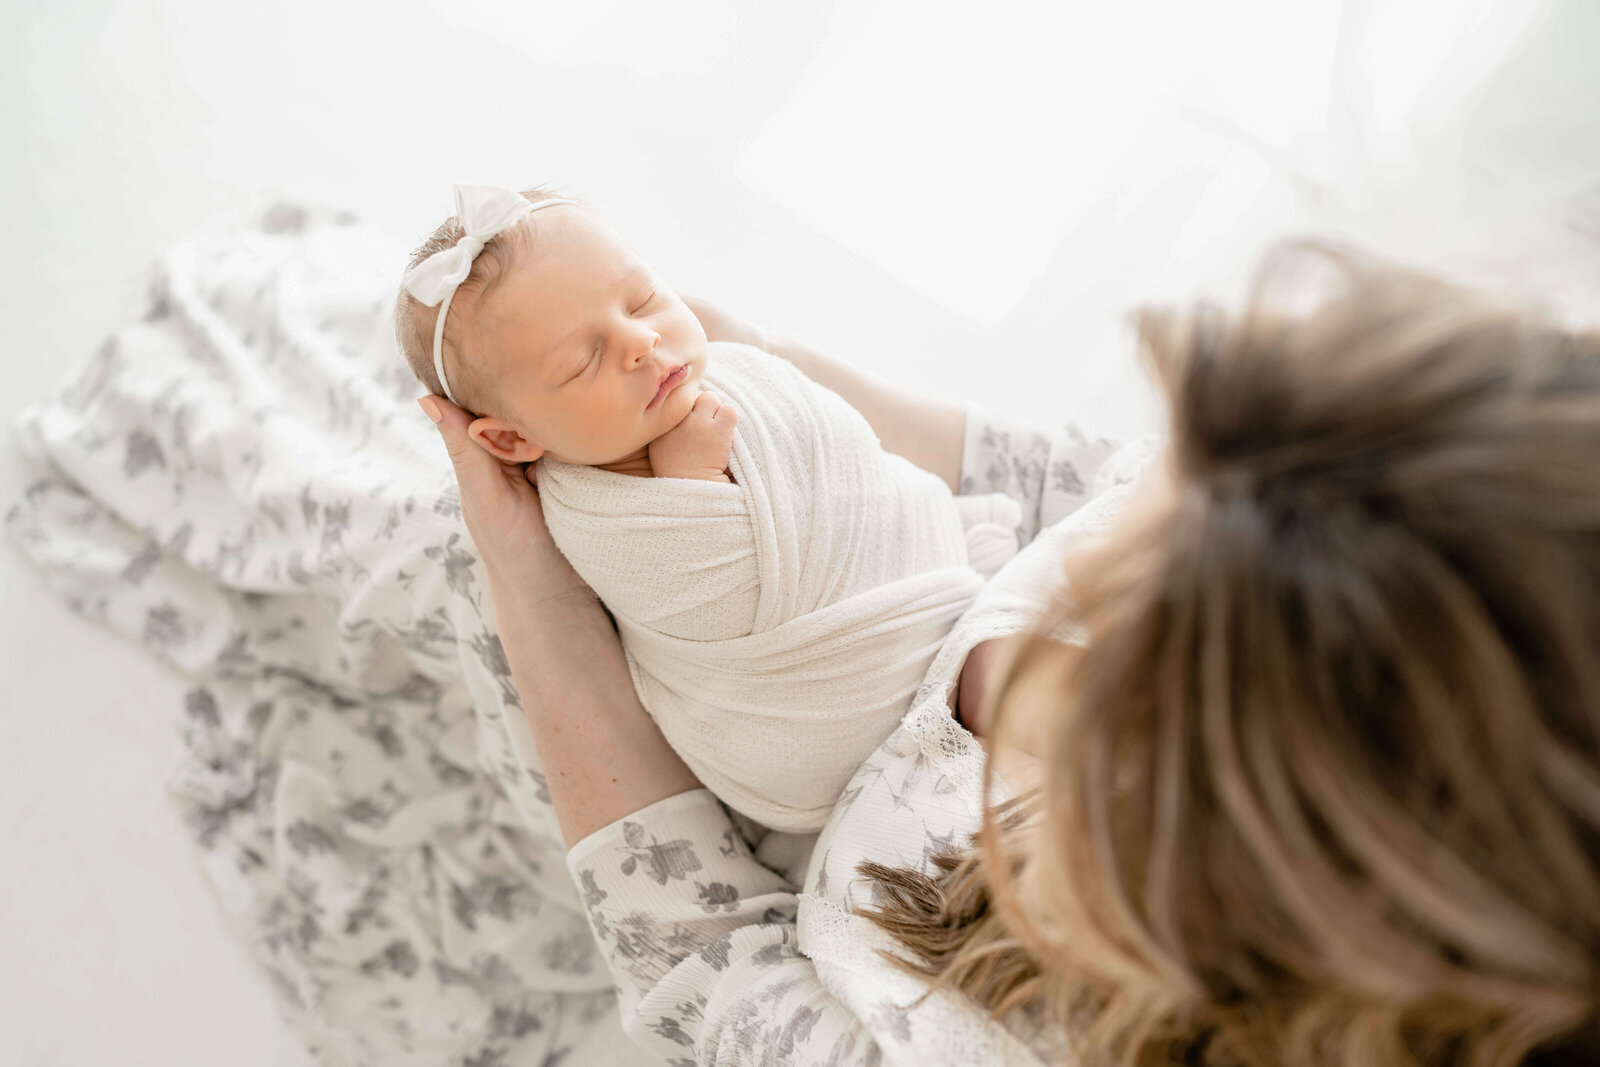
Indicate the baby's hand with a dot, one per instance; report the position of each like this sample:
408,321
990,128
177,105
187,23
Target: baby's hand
698,447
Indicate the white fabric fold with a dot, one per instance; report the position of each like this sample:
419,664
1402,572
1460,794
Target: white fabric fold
776,628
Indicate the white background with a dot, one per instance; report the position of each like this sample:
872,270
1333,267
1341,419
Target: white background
961,197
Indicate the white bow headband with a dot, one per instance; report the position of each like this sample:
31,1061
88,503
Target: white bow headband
484,210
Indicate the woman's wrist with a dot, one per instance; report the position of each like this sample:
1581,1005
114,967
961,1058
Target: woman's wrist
721,325
603,756
537,594
755,336
791,351
548,627
538,574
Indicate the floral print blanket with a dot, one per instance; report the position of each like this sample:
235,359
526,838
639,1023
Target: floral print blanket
241,483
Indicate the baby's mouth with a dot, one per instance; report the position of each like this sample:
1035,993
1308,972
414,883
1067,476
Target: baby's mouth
669,383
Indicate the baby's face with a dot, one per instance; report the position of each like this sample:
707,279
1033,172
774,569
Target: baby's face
594,355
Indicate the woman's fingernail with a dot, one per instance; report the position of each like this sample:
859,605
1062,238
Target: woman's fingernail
430,408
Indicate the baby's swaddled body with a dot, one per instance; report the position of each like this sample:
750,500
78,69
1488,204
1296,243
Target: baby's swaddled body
777,627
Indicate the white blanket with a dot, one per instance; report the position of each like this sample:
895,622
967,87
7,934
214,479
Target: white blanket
241,483
777,627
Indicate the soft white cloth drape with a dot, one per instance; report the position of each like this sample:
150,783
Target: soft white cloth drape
778,627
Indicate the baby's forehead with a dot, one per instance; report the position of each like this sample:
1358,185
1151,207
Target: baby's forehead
537,303
577,260
563,226
562,272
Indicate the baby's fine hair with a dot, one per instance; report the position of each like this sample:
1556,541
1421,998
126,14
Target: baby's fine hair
414,322
1322,787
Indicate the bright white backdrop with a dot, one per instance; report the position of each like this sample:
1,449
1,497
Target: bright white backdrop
961,202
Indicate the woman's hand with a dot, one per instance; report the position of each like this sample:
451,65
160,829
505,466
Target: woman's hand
501,508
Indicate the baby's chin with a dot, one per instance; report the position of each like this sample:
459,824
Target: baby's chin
678,405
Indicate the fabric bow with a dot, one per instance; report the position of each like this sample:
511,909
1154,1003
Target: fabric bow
484,211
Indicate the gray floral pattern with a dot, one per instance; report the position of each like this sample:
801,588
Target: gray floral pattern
240,482
663,862
1049,473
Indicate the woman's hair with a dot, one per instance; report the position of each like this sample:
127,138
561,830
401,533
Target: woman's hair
414,322
1321,786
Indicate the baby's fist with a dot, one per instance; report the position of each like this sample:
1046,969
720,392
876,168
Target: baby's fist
698,447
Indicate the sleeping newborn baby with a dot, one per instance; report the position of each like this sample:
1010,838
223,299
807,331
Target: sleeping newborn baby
780,582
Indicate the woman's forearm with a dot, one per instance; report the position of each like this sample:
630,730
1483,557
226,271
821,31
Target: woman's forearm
928,432
602,754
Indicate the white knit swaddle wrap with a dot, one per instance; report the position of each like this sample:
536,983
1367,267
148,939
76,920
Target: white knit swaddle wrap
776,628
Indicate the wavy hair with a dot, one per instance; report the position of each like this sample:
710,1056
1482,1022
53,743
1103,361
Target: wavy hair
1321,785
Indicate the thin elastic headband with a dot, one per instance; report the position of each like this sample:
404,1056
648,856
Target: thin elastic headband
484,211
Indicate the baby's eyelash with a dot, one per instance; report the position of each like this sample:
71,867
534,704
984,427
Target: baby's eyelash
594,354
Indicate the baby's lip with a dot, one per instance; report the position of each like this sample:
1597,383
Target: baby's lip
668,381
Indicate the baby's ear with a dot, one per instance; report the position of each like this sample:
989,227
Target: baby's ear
503,441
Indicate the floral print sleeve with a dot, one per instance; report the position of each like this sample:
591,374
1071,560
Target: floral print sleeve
700,939
1048,474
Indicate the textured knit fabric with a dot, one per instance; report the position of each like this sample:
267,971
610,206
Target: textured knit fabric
778,626
719,961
